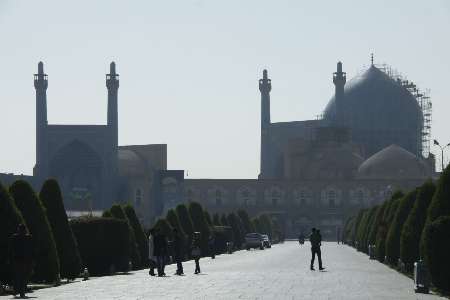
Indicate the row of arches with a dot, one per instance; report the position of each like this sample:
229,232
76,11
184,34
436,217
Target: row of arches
275,196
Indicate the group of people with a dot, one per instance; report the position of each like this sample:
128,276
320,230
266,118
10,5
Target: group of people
159,252
315,238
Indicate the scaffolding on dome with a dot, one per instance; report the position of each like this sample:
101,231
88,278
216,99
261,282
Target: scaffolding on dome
423,99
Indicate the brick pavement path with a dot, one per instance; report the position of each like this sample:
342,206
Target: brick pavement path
278,273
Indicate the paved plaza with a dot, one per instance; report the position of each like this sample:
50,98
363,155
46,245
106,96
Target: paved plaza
278,273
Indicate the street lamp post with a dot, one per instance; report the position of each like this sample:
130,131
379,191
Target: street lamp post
442,152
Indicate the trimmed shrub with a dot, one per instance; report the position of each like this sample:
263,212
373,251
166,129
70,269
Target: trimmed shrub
107,214
376,224
10,218
118,213
440,204
388,214
165,228
207,218
69,257
216,220
174,221
437,249
104,244
347,229
361,229
355,227
224,220
185,220
365,239
266,225
238,236
200,224
405,205
45,255
257,225
223,235
141,238
413,227
246,223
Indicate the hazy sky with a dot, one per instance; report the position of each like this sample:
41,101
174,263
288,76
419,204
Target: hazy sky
189,69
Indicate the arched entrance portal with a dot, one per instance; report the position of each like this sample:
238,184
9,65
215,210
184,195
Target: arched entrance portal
78,170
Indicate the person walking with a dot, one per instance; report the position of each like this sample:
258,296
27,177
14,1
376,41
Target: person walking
151,251
196,251
177,246
160,251
316,239
21,254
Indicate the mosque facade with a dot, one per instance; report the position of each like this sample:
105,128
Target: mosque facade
312,173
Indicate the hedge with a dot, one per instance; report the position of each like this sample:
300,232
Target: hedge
413,227
45,255
200,224
223,235
436,251
141,238
376,224
405,205
118,213
10,218
69,257
103,244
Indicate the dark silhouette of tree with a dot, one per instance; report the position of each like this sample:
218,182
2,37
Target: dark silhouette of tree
69,257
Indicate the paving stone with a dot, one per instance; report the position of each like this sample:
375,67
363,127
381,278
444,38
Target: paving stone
281,272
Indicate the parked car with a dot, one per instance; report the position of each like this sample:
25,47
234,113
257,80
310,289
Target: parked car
266,241
254,240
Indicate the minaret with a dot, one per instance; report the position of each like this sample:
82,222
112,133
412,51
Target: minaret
41,84
112,83
339,79
265,86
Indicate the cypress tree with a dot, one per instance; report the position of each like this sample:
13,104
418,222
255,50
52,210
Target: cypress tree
45,255
355,227
200,224
267,226
118,213
69,257
440,204
413,228
372,215
164,226
216,220
185,220
174,221
10,218
388,214
371,239
208,218
405,205
247,224
141,238
224,220
237,234
256,224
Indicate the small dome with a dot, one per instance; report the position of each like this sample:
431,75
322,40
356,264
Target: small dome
379,112
130,164
393,162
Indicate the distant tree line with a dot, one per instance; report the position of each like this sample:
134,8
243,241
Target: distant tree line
408,227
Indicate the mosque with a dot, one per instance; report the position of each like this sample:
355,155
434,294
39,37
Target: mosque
372,138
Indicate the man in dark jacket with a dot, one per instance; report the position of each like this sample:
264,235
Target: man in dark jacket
316,240
160,251
178,251
21,254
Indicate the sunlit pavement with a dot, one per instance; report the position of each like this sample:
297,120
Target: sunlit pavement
281,272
